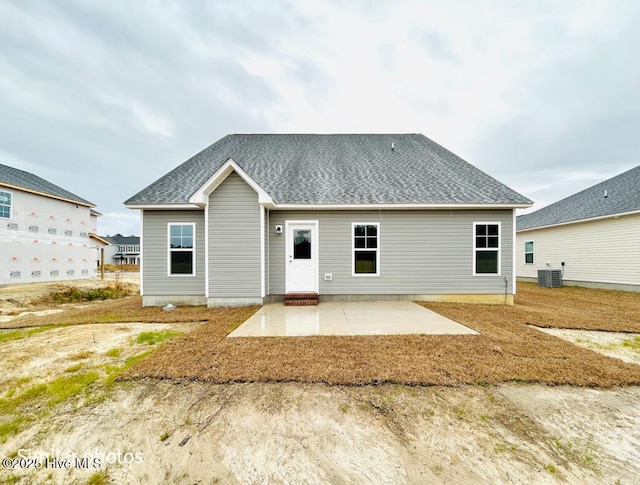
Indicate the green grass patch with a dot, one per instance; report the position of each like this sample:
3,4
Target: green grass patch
113,371
63,388
110,318
115,352
11,427
164,436
9,335
632,343
99,478
74,367
152,338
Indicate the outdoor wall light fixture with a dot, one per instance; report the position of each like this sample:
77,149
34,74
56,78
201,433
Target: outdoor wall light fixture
278,229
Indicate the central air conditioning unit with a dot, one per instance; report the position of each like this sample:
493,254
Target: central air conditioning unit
550,278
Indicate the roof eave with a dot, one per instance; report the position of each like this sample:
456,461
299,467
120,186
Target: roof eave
51,196
578,221
169,206
394,206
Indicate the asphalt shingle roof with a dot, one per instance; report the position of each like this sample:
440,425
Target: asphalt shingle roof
20,178
338,169
117,240
622,195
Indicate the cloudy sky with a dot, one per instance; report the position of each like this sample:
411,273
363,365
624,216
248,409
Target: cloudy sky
104,97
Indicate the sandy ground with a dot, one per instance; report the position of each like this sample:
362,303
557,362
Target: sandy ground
152,431
613,344
190,432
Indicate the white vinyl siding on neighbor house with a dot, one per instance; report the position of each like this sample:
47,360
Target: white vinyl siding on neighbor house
599,251
421,252
5,204
366,249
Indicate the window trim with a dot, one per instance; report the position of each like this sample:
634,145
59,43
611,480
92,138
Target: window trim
474,249
10,218
170,250
354,249
532,252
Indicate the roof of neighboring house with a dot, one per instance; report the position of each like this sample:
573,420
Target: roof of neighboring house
118,239
617,195
19,179
337,169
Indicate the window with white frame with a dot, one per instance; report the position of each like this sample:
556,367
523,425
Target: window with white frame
5,204
366,248
182,249
528,252
486,248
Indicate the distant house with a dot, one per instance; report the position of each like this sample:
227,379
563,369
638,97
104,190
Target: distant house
593,236
46,232
122,250
257,218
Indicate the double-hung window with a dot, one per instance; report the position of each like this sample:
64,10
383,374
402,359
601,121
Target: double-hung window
5,204
528,252
366,248
486,248
182,249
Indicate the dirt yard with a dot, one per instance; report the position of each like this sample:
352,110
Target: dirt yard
59,398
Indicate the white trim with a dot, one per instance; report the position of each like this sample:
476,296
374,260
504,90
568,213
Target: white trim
141,253
268,256
200,196
268,202
314,244
354,249
474,249
395,206
610,216
10,218
206,250
192,250
262,253
514,253
162,206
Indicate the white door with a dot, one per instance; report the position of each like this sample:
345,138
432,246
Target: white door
301,257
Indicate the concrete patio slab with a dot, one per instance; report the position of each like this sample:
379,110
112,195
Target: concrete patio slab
348,318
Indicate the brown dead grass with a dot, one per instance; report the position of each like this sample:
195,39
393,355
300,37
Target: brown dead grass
578,308
506,350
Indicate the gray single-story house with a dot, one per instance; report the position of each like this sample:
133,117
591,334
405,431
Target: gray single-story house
254,218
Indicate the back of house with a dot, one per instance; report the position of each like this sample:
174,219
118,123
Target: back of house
255,218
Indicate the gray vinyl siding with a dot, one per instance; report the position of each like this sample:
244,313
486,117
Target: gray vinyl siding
266,251
421,252
155,250
234,240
